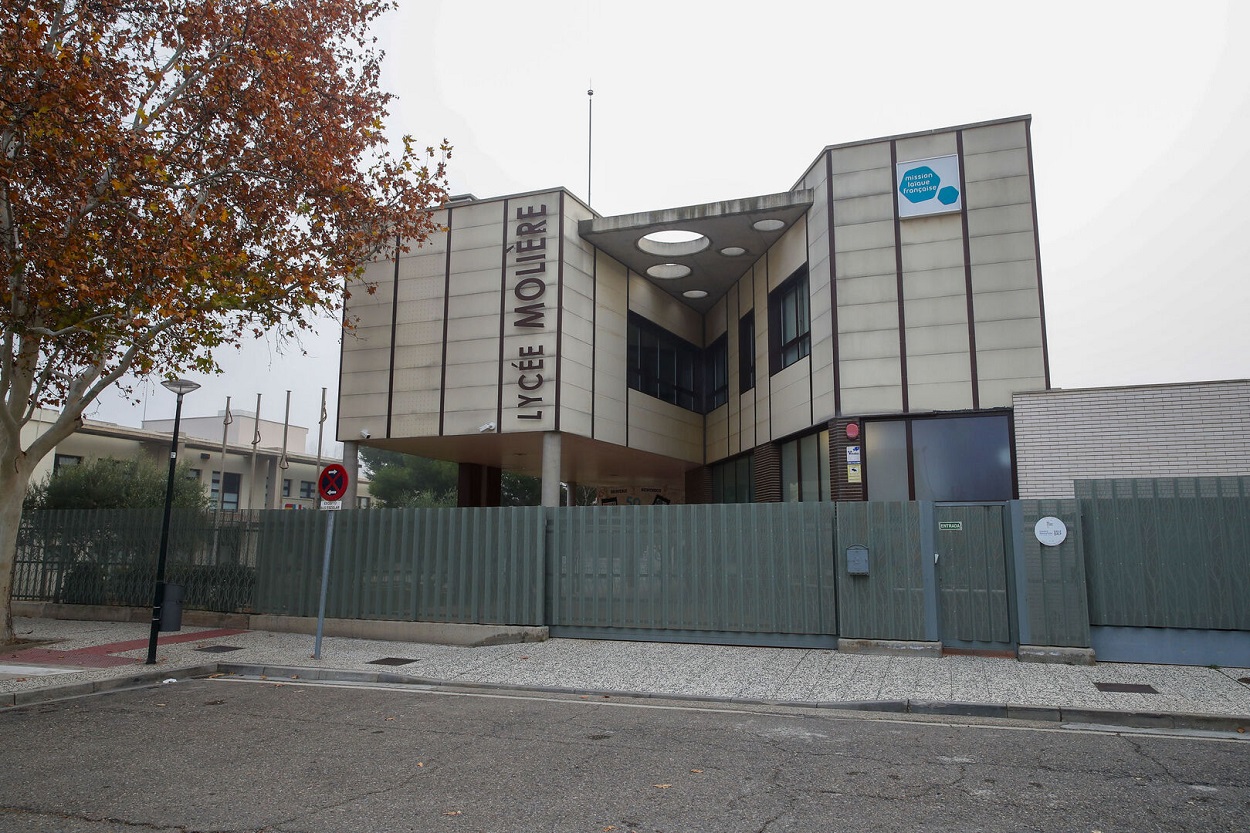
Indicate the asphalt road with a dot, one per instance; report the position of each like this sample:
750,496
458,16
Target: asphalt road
217,755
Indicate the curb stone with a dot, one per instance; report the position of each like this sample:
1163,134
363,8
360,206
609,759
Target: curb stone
1105,717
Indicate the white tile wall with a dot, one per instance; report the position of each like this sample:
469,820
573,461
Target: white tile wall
1183,430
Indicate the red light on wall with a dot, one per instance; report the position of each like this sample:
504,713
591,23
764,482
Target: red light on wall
852,430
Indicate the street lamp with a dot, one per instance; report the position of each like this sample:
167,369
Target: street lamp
181,387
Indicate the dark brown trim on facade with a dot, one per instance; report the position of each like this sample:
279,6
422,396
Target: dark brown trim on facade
811,357
755,340
972,319
898,271
769,324
626,354
442,385
560,310
1011,444
833,286
390,376
503,308
594,335
1037,248
911,462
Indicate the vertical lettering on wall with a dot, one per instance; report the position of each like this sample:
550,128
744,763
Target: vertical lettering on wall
529,328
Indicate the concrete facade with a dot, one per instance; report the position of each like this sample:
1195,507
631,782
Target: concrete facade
1178,430
527,315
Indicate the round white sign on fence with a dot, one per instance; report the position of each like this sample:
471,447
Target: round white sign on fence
1050,531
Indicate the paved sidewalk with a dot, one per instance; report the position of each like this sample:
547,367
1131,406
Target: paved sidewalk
80,657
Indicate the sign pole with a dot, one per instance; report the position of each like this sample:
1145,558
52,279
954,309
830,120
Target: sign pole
332,485
325,580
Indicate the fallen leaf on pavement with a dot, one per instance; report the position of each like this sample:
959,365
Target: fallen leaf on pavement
696,771
661,786
453,813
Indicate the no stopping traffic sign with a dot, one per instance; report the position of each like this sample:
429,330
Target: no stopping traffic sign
333,482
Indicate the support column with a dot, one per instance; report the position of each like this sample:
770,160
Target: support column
351,462
551,469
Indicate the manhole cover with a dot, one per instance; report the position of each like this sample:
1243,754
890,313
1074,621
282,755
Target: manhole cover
390,661
219,649
1126,688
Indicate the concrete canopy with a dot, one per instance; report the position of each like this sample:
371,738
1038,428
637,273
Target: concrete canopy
736,224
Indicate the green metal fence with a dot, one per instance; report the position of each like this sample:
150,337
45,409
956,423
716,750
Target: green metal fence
1050,581
726,568
88,556
888,602
1172,553
479,566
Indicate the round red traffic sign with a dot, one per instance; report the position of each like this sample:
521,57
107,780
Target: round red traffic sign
333,482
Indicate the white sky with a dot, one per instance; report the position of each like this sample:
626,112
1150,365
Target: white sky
1141,128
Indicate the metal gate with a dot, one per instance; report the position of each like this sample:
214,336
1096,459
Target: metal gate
971,558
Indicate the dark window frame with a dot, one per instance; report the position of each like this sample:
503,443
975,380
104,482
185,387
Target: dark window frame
664,365
716,373
789,309
746,352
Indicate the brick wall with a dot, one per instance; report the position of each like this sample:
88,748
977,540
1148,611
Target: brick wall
1182,430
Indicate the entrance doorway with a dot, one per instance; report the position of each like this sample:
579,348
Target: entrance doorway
971,566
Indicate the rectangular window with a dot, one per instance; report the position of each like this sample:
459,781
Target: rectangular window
789,322
307,489
286,488
65,461
230,498
746,352
716,368
805,468
731,481
951,458
663,365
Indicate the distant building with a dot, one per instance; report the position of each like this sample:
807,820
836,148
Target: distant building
248,484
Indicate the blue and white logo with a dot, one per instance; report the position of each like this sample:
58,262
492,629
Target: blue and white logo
928,187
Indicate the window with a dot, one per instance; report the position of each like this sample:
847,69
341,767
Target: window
732,481
716,369
951,458
805,468
789,322
307,489
746,352
286,488
230,497
65,461
363,502
668,367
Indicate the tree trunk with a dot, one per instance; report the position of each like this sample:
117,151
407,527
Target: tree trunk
13,485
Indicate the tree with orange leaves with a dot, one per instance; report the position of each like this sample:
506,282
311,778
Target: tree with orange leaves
177,176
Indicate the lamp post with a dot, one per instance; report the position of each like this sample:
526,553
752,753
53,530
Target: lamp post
181,387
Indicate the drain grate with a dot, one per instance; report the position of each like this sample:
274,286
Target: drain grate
219,649
390,661
1127,688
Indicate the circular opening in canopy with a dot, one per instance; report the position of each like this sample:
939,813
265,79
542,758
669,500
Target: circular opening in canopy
669,271
767,225
733,251
673,243
695,293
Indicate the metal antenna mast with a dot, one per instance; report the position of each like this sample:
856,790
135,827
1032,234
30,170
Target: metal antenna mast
590,139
